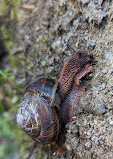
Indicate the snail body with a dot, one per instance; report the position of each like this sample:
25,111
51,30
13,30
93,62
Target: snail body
76,67
47,104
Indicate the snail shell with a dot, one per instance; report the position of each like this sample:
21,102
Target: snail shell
38,110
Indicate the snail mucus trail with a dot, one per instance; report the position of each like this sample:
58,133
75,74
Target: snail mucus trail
47,104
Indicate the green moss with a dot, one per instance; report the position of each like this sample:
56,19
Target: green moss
1,107
7,151
5,75
6,81
23,148
6,126
9,129
10,133
61,10
11,137
44,39
8,15
2,151
6,4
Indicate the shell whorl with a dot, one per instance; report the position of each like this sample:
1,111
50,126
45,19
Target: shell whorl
28,116
36,114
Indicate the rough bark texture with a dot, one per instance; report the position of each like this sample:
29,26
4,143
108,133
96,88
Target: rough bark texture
44,27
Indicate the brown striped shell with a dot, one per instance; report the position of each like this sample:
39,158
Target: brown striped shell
38,110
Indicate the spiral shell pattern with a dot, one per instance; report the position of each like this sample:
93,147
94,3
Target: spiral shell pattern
36,115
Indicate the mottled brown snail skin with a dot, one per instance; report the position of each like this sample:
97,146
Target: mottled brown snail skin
46,101
69,90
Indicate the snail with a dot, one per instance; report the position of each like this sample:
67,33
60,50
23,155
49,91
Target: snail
47,104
